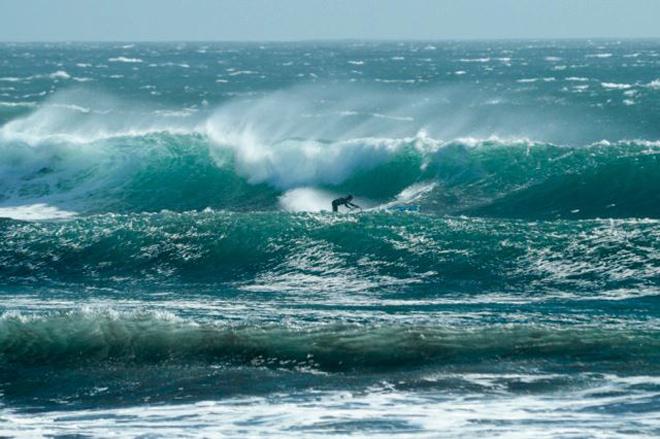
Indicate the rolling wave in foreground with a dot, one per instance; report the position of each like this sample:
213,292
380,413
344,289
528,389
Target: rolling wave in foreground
169,265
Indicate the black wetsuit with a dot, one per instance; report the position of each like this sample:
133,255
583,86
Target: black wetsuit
342,202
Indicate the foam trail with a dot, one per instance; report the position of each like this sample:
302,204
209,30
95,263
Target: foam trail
307,199
412,194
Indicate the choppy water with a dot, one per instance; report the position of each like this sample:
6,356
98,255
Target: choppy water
168,265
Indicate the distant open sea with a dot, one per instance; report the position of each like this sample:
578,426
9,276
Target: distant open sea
169,266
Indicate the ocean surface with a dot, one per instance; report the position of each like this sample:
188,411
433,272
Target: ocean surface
169,266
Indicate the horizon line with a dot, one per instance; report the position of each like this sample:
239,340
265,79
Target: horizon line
336,40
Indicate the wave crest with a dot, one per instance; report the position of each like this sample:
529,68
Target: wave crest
264,155
92,337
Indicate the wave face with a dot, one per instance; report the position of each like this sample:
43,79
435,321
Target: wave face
169,263
92,338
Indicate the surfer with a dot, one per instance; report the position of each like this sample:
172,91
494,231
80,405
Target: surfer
345,201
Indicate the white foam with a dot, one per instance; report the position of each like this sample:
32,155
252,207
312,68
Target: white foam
395,81
615,86
270,143
415,192
60,74
243,72
655,84
125,59
307,199
291,163
412,194
34,212
477,60
380,411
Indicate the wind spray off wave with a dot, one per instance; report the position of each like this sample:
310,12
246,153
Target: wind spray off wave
248,154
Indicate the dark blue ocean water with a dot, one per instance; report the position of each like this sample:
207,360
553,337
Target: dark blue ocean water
169,265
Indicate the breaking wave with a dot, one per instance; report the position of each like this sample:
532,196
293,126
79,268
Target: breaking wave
84,338
265,156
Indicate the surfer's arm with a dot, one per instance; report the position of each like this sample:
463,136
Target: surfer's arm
351,205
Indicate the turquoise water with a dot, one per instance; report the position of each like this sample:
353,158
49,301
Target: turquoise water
169,265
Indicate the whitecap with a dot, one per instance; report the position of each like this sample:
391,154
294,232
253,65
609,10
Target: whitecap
482,60
395,81
243,72
655,84
125,59
60,74
615,85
